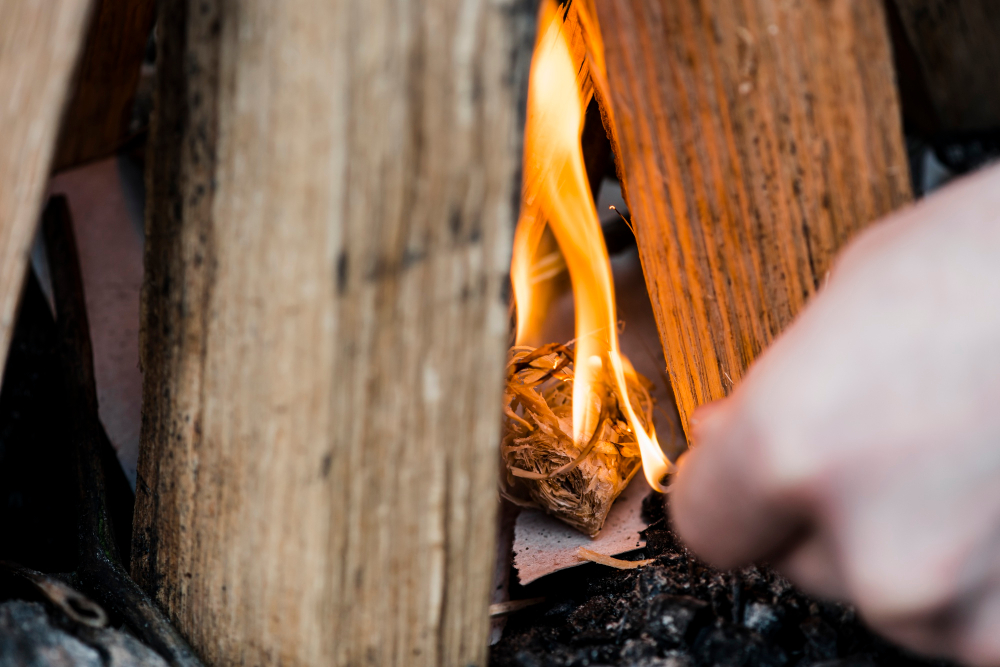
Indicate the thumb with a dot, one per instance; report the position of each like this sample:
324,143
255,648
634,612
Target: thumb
721,503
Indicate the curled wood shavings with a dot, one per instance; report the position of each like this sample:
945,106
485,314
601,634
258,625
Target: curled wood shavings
510,606
617,563
544,467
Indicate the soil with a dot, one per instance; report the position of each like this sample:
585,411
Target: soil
678,612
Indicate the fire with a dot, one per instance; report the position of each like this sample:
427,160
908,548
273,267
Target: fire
557,188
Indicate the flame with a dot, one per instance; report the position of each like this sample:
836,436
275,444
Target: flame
557,193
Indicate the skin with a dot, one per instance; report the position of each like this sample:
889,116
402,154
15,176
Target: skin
861,453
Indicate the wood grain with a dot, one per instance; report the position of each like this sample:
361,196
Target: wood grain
96,123
957,45
754,140
333,188
40,42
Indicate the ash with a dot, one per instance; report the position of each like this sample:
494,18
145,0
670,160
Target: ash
678,612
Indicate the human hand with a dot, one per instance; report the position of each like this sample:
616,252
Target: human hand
861,453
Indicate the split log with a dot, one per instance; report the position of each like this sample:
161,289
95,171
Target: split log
957,47
754,140
40,43
97,119
333,192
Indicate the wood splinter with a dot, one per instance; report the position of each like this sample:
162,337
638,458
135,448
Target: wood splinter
589,555
545,468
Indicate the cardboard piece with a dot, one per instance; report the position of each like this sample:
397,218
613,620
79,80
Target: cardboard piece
543,545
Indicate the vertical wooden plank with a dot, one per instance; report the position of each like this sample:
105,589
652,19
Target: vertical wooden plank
40,41
755,138
97,119
333,186
957,44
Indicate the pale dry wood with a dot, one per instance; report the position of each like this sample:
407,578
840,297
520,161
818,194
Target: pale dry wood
586,554
40,42
97,118
511,606
957,44
754,139
333,188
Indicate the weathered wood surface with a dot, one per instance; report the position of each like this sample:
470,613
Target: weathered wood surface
957,44
96,122
754,139
333,190
40,41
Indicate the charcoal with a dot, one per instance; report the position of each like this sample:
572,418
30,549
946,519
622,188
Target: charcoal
639,650
30,638
674,620
858,661
27,638
766,620
679,612
735,646
821,639
670,659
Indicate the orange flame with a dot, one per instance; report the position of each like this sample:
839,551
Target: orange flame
557,193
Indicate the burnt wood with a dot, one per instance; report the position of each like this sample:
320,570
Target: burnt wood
99,476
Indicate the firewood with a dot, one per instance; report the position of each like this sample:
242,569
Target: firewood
754,140
332,193
40,43
955,43
544,467
96,123
99,567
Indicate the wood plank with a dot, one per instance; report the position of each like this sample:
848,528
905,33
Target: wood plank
755,139
957,44
333,192
96,123
40,42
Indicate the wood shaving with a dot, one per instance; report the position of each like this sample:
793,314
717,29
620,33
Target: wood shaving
543,466
610,561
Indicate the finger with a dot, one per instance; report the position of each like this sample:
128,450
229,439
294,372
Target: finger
814,566
720,503
979,641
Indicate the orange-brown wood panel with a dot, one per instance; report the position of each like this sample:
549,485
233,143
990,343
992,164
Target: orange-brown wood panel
754,139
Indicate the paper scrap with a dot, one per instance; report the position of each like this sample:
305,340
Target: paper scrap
543,545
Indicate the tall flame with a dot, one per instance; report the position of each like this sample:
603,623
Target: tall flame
557,193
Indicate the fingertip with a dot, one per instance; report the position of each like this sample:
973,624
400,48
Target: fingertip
707,422
720,504
691,511
702,495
